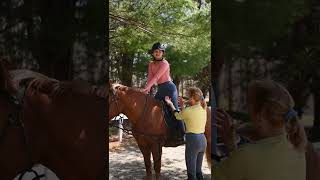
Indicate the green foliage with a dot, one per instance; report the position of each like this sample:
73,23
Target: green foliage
256,22
181,25
44,34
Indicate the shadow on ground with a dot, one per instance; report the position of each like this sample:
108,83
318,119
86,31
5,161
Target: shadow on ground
134,170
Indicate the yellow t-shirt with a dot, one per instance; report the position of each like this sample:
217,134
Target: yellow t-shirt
195,118
272,158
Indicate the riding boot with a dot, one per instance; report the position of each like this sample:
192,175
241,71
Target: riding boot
181,132
181,136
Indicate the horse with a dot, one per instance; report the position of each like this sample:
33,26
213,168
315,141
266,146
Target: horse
61,124
148,127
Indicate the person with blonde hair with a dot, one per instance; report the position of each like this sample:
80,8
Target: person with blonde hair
195,118
279,151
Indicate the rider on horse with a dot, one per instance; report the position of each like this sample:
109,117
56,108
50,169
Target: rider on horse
159,73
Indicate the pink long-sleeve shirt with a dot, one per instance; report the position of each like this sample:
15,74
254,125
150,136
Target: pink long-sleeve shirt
158,72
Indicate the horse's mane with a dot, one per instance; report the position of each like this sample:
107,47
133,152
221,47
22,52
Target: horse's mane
6,83
121,87
55,88
130,90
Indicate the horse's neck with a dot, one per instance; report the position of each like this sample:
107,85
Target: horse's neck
146,115
132,106
137,107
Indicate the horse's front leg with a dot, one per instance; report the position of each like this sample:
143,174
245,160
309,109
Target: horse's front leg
156,154
146,151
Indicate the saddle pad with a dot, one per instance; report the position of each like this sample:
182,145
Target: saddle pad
171,122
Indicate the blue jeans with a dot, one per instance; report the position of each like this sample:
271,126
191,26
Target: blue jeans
169,89
195,148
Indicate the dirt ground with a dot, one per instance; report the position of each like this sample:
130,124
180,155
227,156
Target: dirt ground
126,162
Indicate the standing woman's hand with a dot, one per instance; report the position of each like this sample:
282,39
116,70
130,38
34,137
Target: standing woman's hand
181,102
169,102
226,129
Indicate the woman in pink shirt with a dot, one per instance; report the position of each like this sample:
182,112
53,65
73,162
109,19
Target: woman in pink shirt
159,73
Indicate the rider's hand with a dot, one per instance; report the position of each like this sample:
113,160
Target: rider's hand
169,102
146,91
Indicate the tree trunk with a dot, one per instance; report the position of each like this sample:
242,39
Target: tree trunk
54,52
230,86
126,72
216,67
316,123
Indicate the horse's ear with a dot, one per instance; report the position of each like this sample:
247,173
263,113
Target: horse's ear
115,87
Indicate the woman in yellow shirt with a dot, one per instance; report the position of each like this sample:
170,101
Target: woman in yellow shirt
278,153
195,117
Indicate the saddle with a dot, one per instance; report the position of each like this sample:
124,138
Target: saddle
175,133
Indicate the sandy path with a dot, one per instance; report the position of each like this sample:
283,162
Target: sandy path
126,162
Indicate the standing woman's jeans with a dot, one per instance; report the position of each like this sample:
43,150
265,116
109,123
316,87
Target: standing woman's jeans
195,148
169,89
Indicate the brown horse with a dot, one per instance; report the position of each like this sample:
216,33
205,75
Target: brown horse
63,129
149,129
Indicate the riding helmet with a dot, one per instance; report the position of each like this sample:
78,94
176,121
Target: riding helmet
157,45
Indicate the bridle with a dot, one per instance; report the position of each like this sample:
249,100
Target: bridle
14,119
115,99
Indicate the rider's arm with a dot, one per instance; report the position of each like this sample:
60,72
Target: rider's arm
154,77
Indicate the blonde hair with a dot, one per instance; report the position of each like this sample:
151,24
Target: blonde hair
197,95
274,103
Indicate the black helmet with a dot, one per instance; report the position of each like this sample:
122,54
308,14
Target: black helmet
157,45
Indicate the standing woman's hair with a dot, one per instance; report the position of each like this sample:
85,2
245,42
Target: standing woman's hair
275,103
197,95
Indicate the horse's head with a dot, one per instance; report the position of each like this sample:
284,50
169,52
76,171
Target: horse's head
13,152
7,105
8,113
116,93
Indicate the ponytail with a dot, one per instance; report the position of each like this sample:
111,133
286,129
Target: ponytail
295,130
203,103
276,103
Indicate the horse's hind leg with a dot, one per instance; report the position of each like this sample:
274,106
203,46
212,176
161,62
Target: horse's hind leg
156,154
146,151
